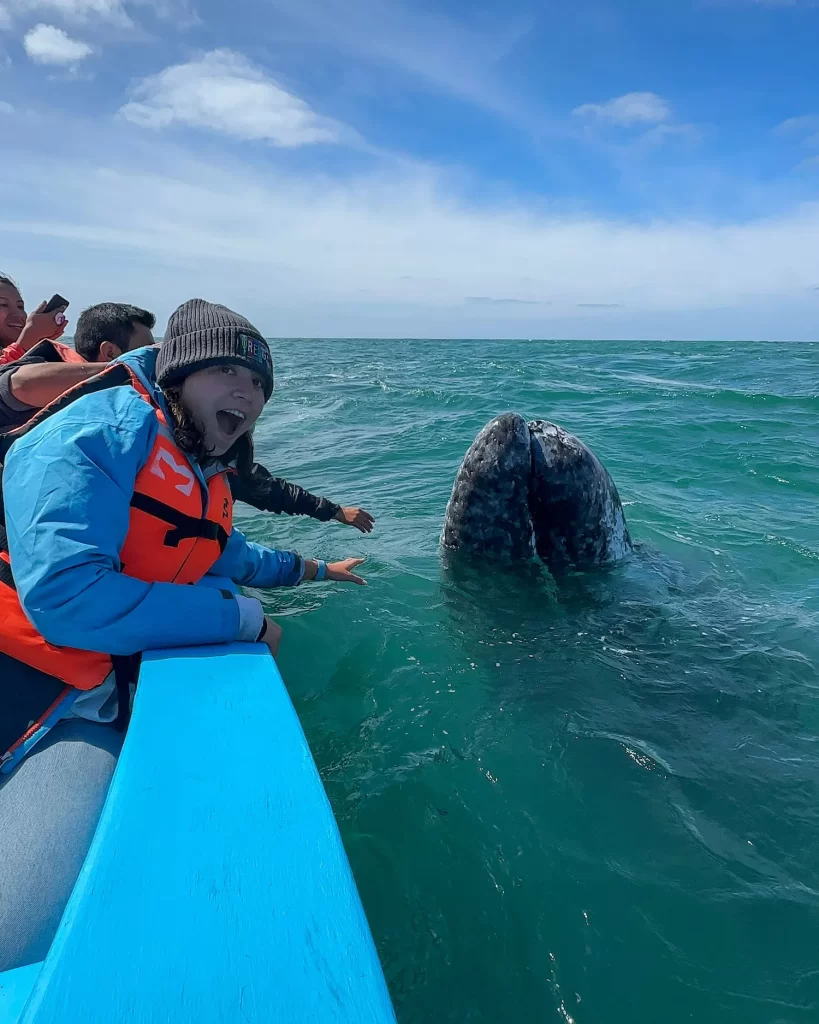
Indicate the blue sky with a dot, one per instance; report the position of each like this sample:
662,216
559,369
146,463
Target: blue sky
373,168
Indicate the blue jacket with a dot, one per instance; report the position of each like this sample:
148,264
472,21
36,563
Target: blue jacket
67,487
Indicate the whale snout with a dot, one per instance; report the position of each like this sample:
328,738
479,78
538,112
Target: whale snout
527,488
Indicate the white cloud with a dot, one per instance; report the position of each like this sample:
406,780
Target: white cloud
633,108
110,11
804,129
296,252
46,44
661,133
226,93
79,10
796,126
6,108
71,10
488,300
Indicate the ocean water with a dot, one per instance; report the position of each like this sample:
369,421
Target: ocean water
593,799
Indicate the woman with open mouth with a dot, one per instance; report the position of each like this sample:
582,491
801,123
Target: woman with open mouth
115,502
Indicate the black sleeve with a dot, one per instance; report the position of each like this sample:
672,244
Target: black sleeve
272,494
13,412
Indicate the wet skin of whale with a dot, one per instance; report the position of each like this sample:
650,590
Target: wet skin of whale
526,489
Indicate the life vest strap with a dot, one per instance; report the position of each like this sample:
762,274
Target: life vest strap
126,672
6,577
184,527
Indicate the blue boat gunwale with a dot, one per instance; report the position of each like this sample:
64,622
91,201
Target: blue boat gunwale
217,886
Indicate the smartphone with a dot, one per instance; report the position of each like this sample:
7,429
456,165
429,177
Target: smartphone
56,302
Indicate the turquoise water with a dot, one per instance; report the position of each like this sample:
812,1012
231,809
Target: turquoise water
596,800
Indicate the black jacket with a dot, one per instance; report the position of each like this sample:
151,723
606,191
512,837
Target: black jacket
272,494
13,412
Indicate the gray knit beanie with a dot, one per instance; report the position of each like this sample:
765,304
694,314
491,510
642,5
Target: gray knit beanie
201,334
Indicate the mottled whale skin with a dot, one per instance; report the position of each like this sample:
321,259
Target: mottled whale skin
534,488
488,512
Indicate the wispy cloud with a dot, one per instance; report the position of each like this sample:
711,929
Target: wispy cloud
633,108
459,58
109,12
508,216
6,108
663,132
225,92
798,125
46,44
804,130
74,10
404,238
487,300
630,126
801,132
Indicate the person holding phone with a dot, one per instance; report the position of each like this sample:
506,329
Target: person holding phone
18,332
50,368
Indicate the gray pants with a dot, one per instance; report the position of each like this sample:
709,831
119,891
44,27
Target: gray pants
49,808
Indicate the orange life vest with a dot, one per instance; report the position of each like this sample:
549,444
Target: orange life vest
175,535
65,352
50,352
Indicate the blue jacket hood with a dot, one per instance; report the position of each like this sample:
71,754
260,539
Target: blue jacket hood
143,363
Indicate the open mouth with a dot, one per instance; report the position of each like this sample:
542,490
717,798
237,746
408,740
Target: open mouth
230,421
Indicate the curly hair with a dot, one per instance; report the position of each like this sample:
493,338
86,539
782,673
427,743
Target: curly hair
190,438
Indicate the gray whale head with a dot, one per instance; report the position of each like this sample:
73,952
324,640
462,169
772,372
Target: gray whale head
533,488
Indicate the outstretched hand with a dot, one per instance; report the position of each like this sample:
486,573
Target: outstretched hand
358,517
341,572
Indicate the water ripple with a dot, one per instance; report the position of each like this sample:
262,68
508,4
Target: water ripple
593,799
